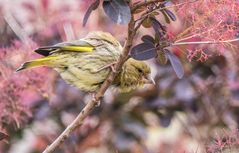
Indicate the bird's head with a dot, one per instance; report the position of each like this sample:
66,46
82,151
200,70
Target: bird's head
141,70
134,74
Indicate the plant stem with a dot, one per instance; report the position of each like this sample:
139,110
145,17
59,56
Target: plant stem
204,42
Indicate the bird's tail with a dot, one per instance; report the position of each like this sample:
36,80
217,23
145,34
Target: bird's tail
46,61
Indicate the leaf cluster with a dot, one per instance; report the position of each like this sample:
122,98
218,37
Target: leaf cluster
155,46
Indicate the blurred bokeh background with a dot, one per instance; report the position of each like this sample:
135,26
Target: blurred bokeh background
198,113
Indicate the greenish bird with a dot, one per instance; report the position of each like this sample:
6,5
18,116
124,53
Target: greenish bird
87,62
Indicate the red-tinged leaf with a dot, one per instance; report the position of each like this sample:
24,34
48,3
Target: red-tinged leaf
147,39
91,8
140,9
158,24
117,10
175,62
155,13
135,3
167,20
147,23
161,58
158,27
3,136
143,51
170,14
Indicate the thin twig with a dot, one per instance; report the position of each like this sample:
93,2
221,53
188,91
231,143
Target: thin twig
204,42
145,4
179,4
160,8
139,24
196,23
198,34
69,32
16,28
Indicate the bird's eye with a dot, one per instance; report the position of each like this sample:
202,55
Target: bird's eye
140,70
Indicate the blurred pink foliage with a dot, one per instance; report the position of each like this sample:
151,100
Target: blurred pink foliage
49,20
42,22
211,20
228,141
208,20
19,90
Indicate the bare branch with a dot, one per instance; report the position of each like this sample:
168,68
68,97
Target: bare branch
16,28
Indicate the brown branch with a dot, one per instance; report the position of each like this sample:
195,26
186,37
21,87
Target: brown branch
144,4
90,105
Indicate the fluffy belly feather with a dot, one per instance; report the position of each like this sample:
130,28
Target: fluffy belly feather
83,79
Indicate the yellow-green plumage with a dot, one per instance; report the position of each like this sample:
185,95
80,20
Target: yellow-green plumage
81,63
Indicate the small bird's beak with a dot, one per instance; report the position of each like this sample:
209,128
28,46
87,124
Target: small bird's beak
148,80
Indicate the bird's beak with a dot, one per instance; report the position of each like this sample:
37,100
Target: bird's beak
148,80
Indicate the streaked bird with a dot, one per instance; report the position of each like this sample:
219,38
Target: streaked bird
87,62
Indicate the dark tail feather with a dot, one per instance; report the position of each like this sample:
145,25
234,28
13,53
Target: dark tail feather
23,66
46,51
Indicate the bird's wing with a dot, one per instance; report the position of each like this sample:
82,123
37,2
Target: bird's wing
74,46
87,44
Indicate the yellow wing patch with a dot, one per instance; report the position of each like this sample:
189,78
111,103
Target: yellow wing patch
47,61
78,48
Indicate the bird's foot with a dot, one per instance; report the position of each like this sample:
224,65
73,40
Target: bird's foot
111,66
96,100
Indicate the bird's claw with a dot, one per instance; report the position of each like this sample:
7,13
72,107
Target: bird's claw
96,100
111,66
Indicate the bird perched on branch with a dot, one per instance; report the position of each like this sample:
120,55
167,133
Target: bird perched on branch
87,62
